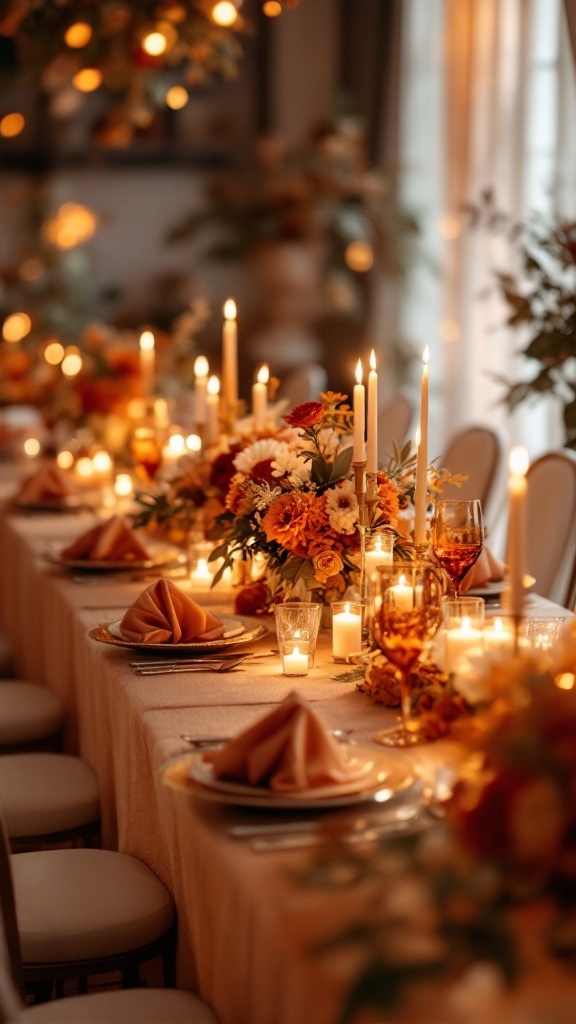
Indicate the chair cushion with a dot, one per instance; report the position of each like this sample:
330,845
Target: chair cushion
43,793
75,905
28,711
134,1006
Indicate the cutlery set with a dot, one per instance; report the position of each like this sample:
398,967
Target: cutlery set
217,662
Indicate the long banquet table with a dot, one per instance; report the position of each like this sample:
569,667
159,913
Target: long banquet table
245,928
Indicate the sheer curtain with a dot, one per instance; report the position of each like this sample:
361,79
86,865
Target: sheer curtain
489,95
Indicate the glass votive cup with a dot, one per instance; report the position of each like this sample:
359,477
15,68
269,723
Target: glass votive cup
463,629
202,571
542,634
347,629
297,625
378,549
501,635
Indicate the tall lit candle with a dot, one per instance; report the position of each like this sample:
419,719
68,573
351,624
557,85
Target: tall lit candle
230,356
421,488
516,545
260,398
212,410
359,415
402,595
200,383
372,418
147,362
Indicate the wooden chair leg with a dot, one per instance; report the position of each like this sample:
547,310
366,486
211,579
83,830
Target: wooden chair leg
131,977
169,960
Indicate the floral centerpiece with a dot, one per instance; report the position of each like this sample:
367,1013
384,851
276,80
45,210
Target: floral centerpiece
472,918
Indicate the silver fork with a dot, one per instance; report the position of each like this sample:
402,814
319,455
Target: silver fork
173,669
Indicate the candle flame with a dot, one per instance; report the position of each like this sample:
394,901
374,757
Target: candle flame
201,366
347,608
498,626
263,375
359,372
146,341
466,622
372,360
402,581
426,356
230,309
194,442
176,444
213,386
518,463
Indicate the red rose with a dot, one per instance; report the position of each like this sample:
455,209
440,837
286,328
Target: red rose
223,469
305,415
261,473
252,599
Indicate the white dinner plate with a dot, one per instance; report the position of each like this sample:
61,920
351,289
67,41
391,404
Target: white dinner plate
158,554
236,632
497,588
389,775
71,503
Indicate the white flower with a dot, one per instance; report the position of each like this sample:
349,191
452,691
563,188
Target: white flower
267,448
329,442
291,465
342,505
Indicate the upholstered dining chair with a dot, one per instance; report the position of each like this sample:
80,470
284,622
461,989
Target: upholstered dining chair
551,526
48,799
394,422
134,1006
476,453
303,384
31,716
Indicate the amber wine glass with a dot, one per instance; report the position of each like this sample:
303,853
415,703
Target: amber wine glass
146,450
457,537
407,612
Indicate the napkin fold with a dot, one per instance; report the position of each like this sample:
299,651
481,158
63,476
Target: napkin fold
112,541
48,483
289,750
163,614
487,569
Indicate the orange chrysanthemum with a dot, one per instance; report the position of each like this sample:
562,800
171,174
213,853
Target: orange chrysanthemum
320,536
286,521
238,499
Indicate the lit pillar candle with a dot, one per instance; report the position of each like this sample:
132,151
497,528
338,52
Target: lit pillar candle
103,465
372,418
260,398
174,448
461,640
147,362
201,577
402,596
346,633
295,663
516,545
421,488
200,384
212,410
378,554
359,415
230,356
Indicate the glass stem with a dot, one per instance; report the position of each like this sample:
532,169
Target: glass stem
405,702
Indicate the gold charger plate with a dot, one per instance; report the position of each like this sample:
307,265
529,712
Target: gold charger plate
390,775
237,633
159,555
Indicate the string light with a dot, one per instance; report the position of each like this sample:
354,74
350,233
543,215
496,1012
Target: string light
78,35
12,125
16,327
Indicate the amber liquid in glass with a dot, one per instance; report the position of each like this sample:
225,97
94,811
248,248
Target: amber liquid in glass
457,559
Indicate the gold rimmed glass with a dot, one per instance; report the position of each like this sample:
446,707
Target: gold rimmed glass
457,537
407,614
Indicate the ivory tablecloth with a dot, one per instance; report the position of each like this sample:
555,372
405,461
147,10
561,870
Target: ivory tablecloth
245,929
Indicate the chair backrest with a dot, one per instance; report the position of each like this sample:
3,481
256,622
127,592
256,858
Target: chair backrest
303,384
11,987
394,422
475,453
551,526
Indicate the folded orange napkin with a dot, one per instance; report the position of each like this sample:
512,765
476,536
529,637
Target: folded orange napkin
163,614
48,483
289,750
487,569
112,541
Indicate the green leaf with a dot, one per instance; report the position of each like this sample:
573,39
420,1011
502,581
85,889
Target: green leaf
291,568
341,464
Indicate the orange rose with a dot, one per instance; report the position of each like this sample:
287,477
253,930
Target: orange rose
326,564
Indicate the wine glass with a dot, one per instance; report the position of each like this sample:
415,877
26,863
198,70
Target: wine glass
406,614
457,537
